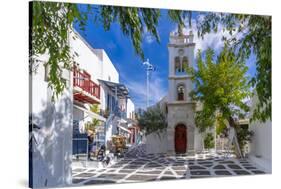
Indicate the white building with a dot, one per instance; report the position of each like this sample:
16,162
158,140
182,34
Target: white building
181,135
50,130
93,80
260,150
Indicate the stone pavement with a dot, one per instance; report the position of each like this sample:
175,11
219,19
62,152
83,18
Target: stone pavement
139,167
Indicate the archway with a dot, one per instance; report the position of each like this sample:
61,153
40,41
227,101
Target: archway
180,139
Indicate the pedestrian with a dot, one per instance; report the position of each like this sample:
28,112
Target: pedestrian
101,153
90,134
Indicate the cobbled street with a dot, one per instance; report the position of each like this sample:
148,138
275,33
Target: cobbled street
136,166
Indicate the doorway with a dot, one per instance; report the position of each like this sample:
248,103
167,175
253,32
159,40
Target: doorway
180,139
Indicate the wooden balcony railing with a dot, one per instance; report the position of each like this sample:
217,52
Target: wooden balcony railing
83,81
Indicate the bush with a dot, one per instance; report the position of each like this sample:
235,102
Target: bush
153,120
209,141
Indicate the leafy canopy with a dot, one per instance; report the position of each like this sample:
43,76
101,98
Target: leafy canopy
249,34
51,22
153,120
220,87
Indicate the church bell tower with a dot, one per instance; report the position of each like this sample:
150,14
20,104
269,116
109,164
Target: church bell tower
181,125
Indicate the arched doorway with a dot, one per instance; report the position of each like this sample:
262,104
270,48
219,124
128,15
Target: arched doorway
180,138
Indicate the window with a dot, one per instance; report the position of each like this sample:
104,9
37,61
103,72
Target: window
180,65
184,63
177,64
180,92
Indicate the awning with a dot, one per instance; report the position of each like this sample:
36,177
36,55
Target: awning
124,129
91,114
122,90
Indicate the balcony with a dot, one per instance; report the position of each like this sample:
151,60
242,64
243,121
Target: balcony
84,89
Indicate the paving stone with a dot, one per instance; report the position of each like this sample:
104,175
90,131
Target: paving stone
205,162
258,172
142,177
195,167
226,162
222,173
250,168
131,167
241,172
126,170
234,166
196,177
219,167
101,170
111,170
178,167
180,173
244,162
116,166
150,172
167,178
85,175
79,170
208,165
199,172
92,170
168,173
76,181
247,165
153,165
112,176
99,182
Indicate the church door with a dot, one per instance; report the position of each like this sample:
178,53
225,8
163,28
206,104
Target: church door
180,138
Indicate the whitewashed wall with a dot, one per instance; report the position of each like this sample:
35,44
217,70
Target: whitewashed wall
156,144
130,108
86,58
52,144
260,149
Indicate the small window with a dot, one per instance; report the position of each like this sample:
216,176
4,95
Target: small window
180,92
184,63
177,65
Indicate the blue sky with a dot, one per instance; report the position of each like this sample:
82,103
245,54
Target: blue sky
131,71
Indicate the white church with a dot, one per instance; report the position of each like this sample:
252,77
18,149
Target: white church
181,135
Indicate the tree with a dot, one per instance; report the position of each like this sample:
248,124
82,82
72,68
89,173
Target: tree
153,120
221,87
248,34
209,141
51,21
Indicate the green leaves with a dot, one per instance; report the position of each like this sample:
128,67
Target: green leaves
209,141
220,86
153,120
248,33
132,22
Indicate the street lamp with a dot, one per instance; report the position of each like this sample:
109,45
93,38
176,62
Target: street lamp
149,68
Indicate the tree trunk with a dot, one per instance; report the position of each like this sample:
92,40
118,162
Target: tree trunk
235,140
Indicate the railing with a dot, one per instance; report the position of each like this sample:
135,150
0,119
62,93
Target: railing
83,81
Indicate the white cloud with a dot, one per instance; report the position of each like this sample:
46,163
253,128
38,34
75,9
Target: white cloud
148,37
137,88
212,39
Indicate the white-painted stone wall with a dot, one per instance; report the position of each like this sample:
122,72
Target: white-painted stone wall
52,144
260,149
156,143
130,109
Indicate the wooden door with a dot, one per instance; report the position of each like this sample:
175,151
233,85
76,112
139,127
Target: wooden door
180,138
